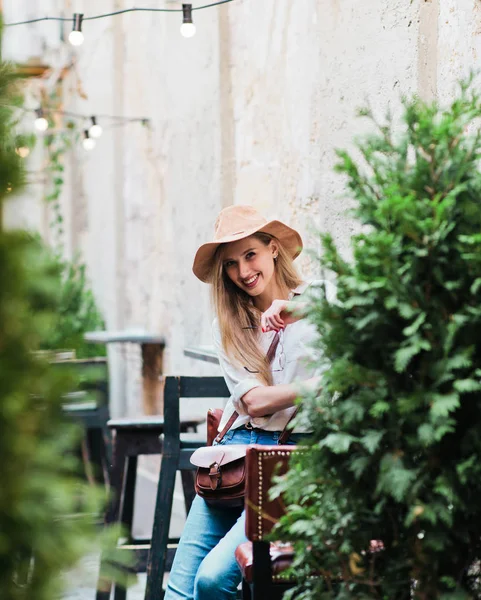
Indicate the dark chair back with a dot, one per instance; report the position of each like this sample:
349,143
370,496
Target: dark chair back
185,387
176,455
262,463
88,406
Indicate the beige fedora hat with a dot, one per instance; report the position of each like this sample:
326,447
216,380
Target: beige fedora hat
238,222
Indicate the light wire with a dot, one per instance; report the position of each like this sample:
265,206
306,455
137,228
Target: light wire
117,12
67,113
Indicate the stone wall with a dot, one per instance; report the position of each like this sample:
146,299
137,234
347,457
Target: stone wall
250,110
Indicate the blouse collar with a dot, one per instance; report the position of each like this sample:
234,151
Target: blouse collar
300,289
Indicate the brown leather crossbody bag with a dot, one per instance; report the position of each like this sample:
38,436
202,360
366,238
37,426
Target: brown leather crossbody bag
220,476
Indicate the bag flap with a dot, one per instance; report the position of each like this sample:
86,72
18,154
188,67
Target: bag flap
222,455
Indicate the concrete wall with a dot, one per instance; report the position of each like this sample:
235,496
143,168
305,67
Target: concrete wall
250,110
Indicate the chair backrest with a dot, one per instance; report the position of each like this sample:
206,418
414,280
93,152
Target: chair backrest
262,513
91,376
187,387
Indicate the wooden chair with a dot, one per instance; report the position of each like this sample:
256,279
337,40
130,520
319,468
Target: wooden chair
176,457
130,439
89,406
262,563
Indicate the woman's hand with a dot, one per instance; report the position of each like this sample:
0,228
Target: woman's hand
281,313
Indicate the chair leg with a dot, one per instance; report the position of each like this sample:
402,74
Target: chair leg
119,453
261,570
126,516
97,453
246,591
160,530
104,586
107,435
188,487
120,593
128,497
105,457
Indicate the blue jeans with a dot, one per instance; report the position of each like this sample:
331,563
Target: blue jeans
204,565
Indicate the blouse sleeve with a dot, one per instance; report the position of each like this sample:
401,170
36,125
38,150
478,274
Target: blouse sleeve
238,380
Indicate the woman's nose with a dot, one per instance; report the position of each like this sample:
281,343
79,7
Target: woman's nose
243,270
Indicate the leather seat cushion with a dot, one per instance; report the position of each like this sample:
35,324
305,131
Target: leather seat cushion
281,559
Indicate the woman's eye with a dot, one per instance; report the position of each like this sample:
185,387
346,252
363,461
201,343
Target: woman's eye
228,264
250,254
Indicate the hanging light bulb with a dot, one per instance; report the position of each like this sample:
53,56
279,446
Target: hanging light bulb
76,37
41,123
187,29
95,131
23,151
88,143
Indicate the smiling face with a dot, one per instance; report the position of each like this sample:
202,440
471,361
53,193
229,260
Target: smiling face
249,263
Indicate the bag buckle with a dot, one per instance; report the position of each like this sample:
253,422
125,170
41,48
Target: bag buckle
215,475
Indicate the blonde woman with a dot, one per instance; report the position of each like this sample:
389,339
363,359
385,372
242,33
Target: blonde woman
249,266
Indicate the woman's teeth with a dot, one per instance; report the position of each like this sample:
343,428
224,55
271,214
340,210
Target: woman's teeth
252,281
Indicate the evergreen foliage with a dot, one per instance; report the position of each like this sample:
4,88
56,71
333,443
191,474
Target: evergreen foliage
46,512
396,450
77,313
43,506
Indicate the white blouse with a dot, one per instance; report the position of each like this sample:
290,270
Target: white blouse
297,340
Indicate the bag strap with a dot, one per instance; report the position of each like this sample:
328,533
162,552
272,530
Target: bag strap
228,425
285,433
271,352
282,438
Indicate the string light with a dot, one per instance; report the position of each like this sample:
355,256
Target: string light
88,143
95,131
90,134
187,29
22,151
41,123
76,37
41,111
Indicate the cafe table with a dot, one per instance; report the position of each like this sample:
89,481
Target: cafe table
205,353
152,352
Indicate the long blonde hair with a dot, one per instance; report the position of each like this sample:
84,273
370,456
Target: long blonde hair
235,309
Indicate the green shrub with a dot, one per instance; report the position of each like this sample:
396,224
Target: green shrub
39,492
77,312
396,450
46,521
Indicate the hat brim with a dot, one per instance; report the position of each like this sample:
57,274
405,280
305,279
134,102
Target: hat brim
289,238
